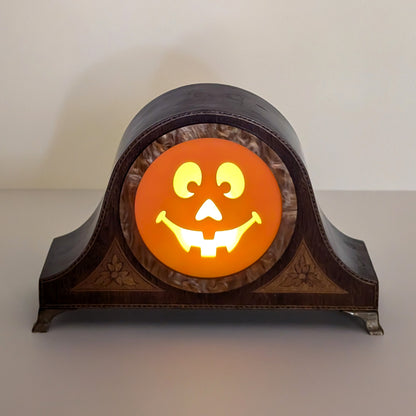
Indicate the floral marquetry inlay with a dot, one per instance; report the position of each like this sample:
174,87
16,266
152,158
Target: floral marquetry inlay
115,273
302,275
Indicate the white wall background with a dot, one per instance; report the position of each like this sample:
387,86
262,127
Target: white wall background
73,74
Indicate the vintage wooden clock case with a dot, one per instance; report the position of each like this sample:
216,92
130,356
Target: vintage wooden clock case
214,156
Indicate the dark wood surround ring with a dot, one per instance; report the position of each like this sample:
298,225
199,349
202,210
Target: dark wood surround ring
198,284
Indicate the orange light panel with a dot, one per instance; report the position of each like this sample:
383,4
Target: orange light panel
208,207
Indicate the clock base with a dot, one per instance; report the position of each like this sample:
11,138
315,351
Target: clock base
369,318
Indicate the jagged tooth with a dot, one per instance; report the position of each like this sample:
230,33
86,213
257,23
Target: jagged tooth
185,246
207,251
183,240
232,241
231,247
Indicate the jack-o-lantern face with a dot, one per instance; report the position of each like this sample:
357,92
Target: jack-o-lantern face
208,207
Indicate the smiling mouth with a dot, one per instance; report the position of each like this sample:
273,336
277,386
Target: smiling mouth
190,238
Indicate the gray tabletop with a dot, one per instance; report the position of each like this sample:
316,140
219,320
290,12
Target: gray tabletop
159,362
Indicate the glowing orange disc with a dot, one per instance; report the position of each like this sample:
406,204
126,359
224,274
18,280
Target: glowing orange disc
208,207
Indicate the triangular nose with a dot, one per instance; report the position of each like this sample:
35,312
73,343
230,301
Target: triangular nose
208,209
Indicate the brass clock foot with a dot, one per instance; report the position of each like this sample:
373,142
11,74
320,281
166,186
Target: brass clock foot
45,317
370,319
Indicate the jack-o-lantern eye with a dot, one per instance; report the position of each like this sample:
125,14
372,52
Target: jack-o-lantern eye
230,173
185,174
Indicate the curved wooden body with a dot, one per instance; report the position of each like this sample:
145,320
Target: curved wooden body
94,267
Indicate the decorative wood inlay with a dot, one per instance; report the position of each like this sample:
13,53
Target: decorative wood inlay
115,273
302,275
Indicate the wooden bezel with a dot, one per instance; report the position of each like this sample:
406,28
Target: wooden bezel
199,284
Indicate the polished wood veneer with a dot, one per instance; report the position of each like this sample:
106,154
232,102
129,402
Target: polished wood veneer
310,265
